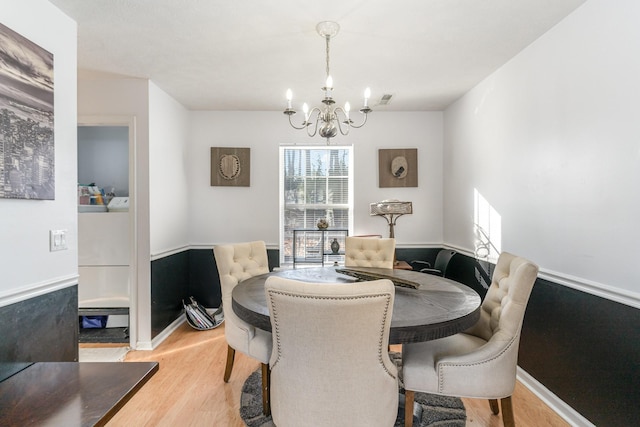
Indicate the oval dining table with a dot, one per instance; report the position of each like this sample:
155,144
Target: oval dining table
426,307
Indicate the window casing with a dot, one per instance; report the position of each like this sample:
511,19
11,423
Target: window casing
315,182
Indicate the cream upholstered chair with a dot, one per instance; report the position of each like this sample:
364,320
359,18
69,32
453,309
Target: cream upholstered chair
481,362
369,252
236,263
330,365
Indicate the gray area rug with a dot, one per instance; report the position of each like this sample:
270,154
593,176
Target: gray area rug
429,410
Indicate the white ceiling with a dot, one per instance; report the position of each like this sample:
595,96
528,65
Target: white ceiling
244,54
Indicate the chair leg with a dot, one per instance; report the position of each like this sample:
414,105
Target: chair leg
231,352
266,390
493,404
507,412
408,408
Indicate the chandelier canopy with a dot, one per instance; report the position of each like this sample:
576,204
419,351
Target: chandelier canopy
327,119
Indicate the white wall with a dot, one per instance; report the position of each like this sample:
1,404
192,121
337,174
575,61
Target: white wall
233,214
168,166
27,266
552,141
103,157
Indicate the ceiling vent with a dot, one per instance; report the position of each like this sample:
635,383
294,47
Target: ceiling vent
386,98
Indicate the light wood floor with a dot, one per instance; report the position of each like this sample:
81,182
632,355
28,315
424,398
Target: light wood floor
188,390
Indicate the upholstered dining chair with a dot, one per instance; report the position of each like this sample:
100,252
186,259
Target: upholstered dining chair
482,361
330,365
369,252
236,263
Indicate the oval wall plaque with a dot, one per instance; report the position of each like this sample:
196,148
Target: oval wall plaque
229,166
399,167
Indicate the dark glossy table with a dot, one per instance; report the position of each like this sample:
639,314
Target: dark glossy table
70,393
438,308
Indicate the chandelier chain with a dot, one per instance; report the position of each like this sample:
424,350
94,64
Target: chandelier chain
327,37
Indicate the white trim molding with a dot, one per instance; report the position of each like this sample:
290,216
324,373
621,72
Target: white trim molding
594,288
159,339
598,289
168,252
37,289
611,293
565,411
272,246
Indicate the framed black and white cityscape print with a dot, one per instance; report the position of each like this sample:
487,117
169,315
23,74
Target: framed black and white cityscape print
27,169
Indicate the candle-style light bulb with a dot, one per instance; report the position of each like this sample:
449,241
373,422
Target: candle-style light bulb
289,98
305,108
347,108
367,95
329,84
328,87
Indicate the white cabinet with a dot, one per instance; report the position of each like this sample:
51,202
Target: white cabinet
103,260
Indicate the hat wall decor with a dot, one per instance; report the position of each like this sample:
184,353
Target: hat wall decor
230,167
398,167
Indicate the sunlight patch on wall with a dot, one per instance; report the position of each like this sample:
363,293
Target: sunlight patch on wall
487,227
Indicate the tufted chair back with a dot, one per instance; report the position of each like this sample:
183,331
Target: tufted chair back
369,252
236,263
330,365
501,318
503,308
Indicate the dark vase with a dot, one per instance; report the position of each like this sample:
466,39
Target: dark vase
335,246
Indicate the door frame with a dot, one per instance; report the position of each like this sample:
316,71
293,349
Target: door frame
130,123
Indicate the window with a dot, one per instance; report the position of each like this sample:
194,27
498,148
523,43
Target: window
315,182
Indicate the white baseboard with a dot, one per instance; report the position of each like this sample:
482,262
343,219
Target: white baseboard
166,332
565,411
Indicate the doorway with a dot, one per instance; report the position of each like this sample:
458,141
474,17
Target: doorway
107,285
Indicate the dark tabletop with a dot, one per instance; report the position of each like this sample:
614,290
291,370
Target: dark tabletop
70,394
438,308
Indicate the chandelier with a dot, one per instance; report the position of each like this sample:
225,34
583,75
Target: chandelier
327,119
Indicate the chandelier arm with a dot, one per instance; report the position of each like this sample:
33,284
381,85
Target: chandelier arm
363,122
315,125
294,126
337,120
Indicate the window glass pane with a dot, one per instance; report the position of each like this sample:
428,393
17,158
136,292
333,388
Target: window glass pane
316,190
338,190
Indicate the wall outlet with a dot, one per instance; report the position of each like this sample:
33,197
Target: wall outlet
57,240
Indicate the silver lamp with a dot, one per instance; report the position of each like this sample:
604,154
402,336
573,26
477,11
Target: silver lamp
391,210
327,121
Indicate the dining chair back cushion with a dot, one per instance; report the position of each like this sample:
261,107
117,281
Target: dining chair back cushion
482,361
236,263
330,364
368,252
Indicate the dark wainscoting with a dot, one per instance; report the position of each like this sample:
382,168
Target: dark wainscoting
184,274
583,348
419,254
169,286
204,283
586,350
41,329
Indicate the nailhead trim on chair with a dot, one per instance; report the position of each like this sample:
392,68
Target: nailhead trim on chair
380,343
441,365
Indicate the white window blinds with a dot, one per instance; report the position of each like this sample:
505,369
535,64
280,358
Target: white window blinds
315,182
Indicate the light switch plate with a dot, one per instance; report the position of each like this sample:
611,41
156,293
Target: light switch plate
57,240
